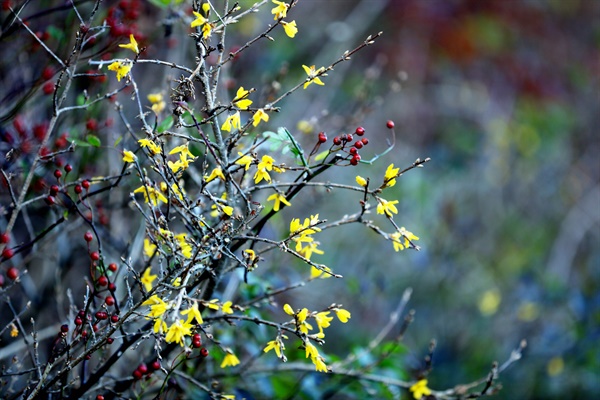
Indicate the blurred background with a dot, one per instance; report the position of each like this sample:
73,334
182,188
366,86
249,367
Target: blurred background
504,98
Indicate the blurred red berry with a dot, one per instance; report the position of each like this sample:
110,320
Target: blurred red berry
337,141
57,174
85,184
7,254
91,124
68,168
88,236
48,88
358,144
4,238
102,281
360,131
47,73
114,319
112,267
322,137
78,189
12,273
95,256
110,301
390,124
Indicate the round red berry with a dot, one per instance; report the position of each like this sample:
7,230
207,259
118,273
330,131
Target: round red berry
355,159
360,131
114,319
54,190
390,124
155,365
110,301
94,256
78,321
142,368
12,273
364,141
99,397
112,287
337,141
322,137
204,352
58,174
88,356
48,88
4,238
88,236
78,189
137,375
85,184
358,144
68,168
110,340
101,315
64,328
7,254
91,124
102,281
47,73
112,267
50,200
349,137
353,150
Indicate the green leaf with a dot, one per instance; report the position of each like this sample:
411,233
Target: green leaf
93,140
80,100
322,155
55,33
79,142
166,124
119,139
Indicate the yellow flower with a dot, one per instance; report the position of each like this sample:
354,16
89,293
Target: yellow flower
230,360
122,69
151,195
14,332
288,309
390,175
200,20
312,75
259,115
387,207
226,209
398,236
215,173
290,29
153,147
361,181
311,350
317,273
128,156
160,326
155,98
261,174
343,315
132,45
186,248
319,364
309,249
147,279
178,331
266,162
158,107
281,10
241,100
420,389
149,248
184,150
273,345
278,198
250,254
193,314
212,304
489,302
178,190
245,160
323,320
226,308
232,121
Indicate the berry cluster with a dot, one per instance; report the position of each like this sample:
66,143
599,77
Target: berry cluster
354,146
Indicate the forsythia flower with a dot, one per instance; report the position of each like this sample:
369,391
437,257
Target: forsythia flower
193,314
132,45
122,69
250,254
147,279
387,207
14,332
128,156
259,115
240,100
200,20
153,147
323,320
420,389
361,181
312,78
149,248
288,309
151,195
226,308
216,173
397,239
291,30
230,360
206,30
343,315
232,121
245,160
278,198
265,164
186,248
184,150
157,102
281,10
313,353
317,273
273,345
390,175
177,331
309,249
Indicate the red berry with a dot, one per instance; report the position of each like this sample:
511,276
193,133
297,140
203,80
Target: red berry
95,327
88,356
81,313
137,375
88,236
355,159
114,318
99,397
112,267
204,352
360,131
39,131
322,137
155,365
47,73
78,321
353,150
101,315
84,334
12,273
358,144
94,256
364,141
7,254
110,301
390,124
78,189
337,141
110,340
102,281
196,341
349,137
68,168
58,174
48,88
142,368
50,200
85,184
4,238
54,190
112,287
91,124
64,328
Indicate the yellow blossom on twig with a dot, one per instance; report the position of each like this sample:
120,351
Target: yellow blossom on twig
390,175
290,29
280,10
230,360
215,173
153,147
178,331
420,389
259,115
386,207
193,314
132,45
121,68
312,75
278,198
128,156
245,160
232,121
147,279
240,100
